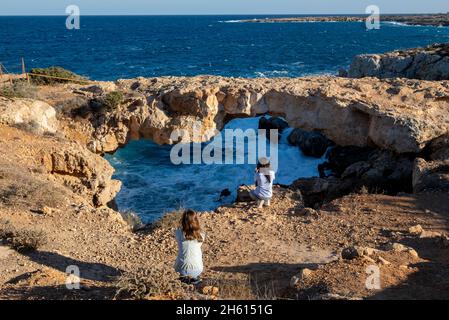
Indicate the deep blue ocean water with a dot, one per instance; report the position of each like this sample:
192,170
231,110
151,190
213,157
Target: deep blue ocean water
107,48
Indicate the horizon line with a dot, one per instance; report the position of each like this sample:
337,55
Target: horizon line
218,14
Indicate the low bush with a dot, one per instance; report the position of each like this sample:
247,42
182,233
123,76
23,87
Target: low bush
6,229
147,284
99,105
113,99
57,72
22,240
28,240
170,220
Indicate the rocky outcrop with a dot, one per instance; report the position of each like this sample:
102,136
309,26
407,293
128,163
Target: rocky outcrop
398,115
353,169
37,115
430,176
85,173
438,149
431,63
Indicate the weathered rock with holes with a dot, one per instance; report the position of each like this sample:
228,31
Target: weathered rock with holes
84,172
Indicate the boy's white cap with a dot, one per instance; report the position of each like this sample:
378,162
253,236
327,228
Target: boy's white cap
264,161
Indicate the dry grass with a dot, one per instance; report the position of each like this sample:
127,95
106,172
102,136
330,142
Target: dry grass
6,229
28,240
19,89
22,240
18,188
250,288
144,284
170,220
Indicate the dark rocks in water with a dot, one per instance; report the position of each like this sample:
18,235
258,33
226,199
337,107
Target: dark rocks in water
273,123
224,193
339,158
313,144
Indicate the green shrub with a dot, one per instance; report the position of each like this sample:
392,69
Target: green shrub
113,99
54,72
19,89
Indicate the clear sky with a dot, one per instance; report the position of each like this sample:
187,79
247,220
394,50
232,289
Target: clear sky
155,7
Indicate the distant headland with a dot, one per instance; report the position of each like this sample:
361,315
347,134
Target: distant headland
441,19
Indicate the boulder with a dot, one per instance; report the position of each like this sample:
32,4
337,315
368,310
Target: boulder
243,194
354,252
352,168
416,230
301,276
339,158
36,116
313,144
430,176
438,149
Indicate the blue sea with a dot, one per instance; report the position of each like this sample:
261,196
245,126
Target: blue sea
108,48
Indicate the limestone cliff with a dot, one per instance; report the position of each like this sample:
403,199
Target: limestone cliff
399,115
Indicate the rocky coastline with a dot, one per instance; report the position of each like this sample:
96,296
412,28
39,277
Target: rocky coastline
430,63
387,173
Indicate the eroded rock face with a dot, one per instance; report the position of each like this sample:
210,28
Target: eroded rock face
38,115
84,172
399,115
431,63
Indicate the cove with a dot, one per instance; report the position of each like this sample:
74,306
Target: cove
153,185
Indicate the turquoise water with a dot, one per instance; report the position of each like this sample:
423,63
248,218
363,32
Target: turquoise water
152,185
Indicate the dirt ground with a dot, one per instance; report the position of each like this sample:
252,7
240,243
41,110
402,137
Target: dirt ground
249,253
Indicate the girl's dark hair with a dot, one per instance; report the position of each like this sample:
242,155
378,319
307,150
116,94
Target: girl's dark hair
190,225
263,166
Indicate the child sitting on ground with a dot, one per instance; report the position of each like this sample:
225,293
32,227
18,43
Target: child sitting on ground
189,263
264,178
